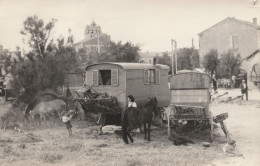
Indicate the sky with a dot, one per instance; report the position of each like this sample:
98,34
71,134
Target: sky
149,23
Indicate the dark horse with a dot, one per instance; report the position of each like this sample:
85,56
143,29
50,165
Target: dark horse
133,118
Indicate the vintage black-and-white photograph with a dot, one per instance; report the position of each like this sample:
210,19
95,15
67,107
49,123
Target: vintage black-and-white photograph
129,82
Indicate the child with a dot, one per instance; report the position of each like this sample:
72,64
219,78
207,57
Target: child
66,119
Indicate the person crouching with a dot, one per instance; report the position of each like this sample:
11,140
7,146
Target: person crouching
66,120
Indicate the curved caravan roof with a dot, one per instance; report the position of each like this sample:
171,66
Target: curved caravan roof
131,66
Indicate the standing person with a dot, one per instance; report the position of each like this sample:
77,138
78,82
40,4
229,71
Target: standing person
131,101
214,83
244,89
66,120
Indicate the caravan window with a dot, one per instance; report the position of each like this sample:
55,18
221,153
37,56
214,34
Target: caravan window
105,77
151,76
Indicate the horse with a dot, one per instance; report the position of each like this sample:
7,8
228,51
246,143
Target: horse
46,110
134,118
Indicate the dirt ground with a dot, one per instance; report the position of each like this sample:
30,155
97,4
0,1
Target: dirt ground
50,144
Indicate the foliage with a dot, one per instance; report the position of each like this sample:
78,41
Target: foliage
46,64
39,35
165,59
184,59
229,64
188,58
211,61
118,52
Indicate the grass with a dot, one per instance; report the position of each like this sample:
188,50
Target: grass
87,148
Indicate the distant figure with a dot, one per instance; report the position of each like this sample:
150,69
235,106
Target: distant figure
131,101
214,81
66,120
233,81
244,89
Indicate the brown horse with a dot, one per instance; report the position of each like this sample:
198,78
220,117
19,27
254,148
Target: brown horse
46,110
133,118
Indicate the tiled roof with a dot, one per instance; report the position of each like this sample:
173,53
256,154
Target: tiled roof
251,55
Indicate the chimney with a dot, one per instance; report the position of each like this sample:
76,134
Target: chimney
154,61
255,21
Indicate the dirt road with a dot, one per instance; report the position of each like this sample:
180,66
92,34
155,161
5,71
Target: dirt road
244,125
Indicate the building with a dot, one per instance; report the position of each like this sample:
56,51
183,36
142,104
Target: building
94,40
147,57
251,65
240,36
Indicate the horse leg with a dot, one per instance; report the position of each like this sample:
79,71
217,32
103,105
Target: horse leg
102,120
130,137
125,134
145,131
149,130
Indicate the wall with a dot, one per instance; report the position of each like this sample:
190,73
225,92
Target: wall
219,37
135,86
117,91
247,65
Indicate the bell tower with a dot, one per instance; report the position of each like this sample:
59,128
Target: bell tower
92,31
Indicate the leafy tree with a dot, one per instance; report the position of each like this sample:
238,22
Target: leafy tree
39,36
229,64
47,62
211,61
195,63
184,59
165,59
118,52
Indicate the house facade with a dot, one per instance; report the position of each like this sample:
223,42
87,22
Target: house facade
240,36
147,57
251,65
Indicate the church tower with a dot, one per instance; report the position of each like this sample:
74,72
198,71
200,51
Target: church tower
92,31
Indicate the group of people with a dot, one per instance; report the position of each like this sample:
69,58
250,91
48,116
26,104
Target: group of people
243,87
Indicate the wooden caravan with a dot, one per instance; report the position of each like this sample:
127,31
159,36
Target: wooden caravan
190,97
137,79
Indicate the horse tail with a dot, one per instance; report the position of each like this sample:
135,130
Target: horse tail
124,125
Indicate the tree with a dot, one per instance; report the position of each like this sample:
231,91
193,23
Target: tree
165,59
118,52
38,36
184,59
211,61
229,64
47,62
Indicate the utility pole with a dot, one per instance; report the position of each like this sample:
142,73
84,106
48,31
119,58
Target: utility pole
174,55
98,42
